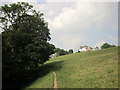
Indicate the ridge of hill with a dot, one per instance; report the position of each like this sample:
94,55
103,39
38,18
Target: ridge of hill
93,69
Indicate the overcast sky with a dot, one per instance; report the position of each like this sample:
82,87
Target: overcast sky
77,23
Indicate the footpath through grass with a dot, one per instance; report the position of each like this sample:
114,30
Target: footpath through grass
94,69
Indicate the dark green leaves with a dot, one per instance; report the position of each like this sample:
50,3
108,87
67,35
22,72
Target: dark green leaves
25,37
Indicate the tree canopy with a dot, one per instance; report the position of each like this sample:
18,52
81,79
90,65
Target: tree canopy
70,51
62,51
106,45
24,39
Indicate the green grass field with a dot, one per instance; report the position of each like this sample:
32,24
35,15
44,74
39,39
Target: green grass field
93,69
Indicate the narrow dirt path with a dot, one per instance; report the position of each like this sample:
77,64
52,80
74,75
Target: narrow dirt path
55,81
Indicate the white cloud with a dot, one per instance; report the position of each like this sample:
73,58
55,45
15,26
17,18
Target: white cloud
13,1
112,38
99,44
72,24
79,18
68,41
82,0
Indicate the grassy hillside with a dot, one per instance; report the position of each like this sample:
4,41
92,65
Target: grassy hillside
94,69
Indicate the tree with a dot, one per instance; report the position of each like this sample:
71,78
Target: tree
56,50
70,51
106,45
24,39
1,53
62,52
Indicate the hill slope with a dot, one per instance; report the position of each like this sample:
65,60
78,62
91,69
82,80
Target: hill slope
95,69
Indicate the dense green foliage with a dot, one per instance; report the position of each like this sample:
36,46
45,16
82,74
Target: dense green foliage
61,52
95,69
56,50
24,42
70,51
1,53
106,45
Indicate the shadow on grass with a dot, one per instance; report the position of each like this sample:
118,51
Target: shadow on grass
54,66
42,71
20,81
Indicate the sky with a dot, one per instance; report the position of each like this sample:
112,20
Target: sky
78,22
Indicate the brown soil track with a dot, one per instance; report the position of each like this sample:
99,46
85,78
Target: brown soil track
55,81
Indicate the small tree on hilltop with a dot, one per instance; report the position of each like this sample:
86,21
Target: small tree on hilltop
106,45
70,51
